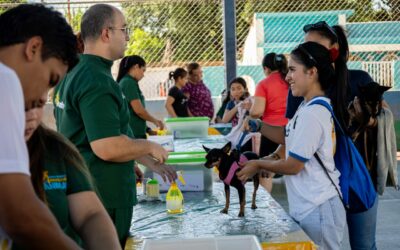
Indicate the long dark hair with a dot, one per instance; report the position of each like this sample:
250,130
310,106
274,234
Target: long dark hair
277,62
338,93
44,141
227,97
312,54
242,82
127,63
177,73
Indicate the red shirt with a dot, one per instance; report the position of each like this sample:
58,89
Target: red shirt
274,89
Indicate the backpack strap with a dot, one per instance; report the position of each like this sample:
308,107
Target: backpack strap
337,125
330,178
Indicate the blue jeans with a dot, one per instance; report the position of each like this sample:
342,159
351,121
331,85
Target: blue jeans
362,228
325,225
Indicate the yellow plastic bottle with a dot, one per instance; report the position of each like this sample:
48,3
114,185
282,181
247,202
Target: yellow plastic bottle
174,199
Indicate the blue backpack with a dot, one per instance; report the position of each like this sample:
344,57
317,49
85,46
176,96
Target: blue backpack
358,192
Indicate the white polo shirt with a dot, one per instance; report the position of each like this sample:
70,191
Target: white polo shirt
13,152
311,130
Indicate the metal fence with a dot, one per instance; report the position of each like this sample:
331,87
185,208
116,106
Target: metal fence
171,33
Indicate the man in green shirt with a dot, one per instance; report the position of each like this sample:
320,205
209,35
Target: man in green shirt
91,111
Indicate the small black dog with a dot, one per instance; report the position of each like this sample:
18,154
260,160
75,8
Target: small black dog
370,103
362,128
227,163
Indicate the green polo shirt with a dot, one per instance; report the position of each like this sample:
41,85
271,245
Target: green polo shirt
61,180
130,89
88,106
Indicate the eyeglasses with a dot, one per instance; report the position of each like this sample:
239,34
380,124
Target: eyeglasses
307,54
126,30
319,26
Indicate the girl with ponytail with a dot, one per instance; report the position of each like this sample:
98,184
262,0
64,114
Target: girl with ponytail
176,103
313,199
270,102
131,71
361,226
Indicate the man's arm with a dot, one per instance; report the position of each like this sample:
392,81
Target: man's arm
122,148
26,219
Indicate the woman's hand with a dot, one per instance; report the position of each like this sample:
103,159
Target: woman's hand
251,125
249,169
355,110
246,104
159,124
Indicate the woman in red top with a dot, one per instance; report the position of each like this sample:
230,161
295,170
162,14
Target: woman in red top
270,99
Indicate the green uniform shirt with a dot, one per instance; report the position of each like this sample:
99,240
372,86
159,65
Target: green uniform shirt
130,89
89,106
61,180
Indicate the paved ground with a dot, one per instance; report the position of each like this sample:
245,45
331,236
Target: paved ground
388,226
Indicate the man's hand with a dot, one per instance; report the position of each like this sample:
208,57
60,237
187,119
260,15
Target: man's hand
158,153
165,171
249,169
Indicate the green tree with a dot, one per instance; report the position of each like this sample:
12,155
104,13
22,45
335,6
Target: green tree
76,17
189,30
143,43
7,4
192,30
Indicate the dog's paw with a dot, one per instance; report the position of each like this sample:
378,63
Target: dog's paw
224,211
254,206
241,214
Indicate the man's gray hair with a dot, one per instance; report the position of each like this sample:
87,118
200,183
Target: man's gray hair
95,19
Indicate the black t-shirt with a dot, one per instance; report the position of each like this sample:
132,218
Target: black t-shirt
180,103
357,79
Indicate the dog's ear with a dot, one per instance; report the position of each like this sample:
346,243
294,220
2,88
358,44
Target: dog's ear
372,91
227,148
206,149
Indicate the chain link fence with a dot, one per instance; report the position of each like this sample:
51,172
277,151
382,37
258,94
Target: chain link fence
172,33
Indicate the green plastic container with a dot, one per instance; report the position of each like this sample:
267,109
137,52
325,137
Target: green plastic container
198,178
188,127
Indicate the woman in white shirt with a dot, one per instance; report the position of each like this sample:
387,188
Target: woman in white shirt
313,199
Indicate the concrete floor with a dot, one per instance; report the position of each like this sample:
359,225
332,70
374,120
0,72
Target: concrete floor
388,226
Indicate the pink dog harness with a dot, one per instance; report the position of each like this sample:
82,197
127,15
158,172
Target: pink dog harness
235,166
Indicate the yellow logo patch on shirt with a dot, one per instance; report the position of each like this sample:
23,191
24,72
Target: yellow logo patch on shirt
52,182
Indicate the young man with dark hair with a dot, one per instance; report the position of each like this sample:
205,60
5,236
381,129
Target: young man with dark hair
91,111
37,48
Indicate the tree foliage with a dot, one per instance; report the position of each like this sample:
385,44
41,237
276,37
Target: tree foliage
7,4
192,30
